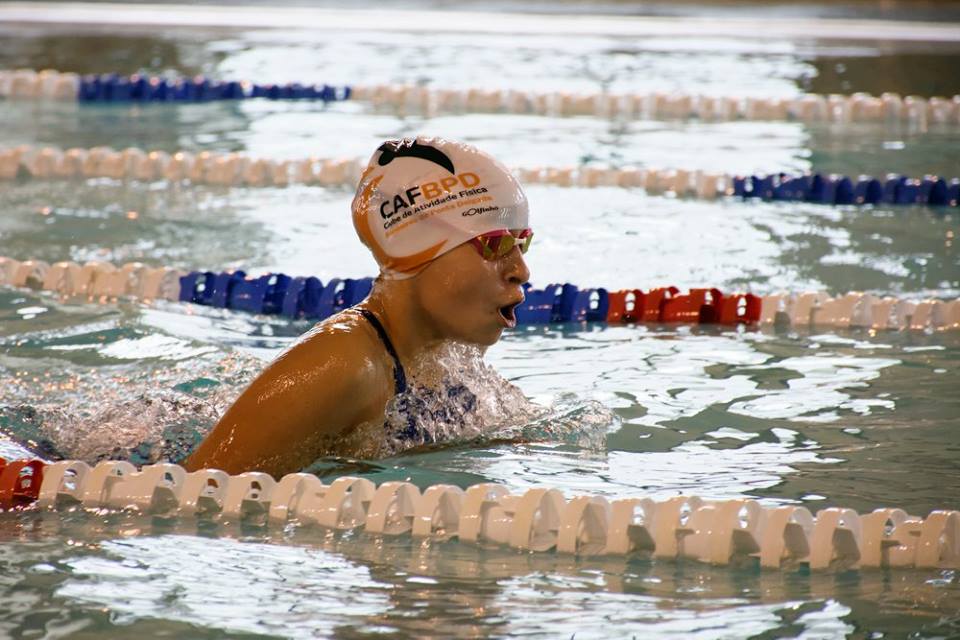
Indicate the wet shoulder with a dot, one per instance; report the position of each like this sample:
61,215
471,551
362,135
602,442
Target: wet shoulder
343,347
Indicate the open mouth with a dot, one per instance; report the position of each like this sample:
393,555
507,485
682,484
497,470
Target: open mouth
509,315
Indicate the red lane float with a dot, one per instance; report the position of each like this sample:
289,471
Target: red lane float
626,305
667,304
20,482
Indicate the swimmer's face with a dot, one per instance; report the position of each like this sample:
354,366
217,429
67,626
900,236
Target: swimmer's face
469,298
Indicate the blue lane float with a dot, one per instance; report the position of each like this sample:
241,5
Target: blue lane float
273,294
137,88
309,298
841,190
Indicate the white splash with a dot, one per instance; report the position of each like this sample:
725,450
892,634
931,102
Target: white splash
456,397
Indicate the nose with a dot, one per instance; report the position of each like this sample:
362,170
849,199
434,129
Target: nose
515,269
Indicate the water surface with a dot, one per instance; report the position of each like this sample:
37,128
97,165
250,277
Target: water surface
819,418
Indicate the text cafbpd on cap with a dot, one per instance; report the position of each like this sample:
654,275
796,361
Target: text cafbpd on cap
419,198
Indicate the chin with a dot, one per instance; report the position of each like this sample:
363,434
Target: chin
492,341
484,339
495,338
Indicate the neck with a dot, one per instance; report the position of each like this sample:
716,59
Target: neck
409,327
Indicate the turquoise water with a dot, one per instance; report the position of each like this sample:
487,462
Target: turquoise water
831,418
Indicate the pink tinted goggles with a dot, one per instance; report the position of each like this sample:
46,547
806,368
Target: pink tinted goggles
498,244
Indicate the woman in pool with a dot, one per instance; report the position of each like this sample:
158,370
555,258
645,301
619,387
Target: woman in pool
447,225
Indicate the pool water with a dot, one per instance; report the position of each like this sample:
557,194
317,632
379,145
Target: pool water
821,418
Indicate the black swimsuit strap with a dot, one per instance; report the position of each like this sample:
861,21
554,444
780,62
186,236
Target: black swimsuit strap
399,376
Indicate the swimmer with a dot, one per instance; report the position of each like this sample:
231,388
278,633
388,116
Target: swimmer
448,227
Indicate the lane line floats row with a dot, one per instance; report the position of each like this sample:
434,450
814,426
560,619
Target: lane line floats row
539,520
308,297
236,169
49,84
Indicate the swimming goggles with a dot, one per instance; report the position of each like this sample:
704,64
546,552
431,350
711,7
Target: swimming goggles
498,244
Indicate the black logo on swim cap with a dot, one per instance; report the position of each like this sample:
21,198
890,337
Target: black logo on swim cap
407,148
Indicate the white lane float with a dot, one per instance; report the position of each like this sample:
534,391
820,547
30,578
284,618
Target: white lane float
248,495
726,532
393,508
204,492
437,512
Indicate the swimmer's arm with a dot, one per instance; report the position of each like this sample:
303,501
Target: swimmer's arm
287,417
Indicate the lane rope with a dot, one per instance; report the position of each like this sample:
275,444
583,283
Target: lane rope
308,297
48,84
237,169
721,532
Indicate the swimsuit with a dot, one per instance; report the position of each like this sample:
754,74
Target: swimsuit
399,376
416,407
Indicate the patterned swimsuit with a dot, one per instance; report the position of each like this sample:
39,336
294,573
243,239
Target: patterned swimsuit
420,406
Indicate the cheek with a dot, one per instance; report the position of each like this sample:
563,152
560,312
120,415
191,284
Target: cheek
463,295
460,297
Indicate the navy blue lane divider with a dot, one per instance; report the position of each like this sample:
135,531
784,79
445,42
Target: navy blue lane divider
308,297
265,294
274,293
136,88
563,303
895,189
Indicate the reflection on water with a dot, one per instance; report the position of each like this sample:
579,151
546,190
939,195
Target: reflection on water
300,582
184,52
294,591
928,73
171,226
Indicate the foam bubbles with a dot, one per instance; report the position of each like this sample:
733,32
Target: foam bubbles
162,411
145,415
454,396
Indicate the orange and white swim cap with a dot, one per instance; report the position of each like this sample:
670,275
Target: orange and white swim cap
418,199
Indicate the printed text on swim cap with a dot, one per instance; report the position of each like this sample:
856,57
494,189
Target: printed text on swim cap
404,204
425,213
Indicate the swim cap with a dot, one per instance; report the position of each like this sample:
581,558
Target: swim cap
418,199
